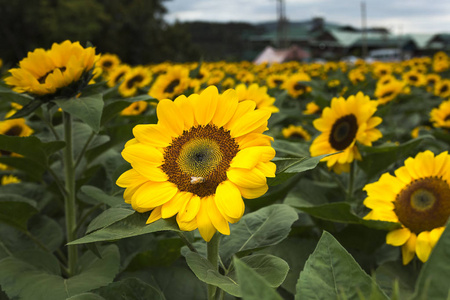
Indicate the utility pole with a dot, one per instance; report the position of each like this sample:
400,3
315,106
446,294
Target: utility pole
281,26
364,29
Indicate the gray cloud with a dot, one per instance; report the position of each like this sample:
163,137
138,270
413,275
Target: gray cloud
411,16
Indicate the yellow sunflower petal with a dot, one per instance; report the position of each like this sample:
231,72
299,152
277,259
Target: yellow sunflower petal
435,235
189,209
170,117
229,200
398,237
409,249
187,226
246,178
249,123
423,246
226,108
253,193
206,105
174,205
152,134
205,226
217,219
153,194
155,215
130,177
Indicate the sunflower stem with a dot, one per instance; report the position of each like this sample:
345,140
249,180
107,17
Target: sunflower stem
70,209
351,181
213,257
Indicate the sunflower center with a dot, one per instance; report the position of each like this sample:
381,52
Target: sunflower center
134,80
197,160
424,204
118,77
299,87
43,78
447,118
107,63
413,78
444,89
14,131
171,86
343,132
278,82
387,94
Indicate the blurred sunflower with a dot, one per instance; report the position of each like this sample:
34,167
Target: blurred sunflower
295,86
296,132
417,197
388,92
117,75
258,94
440,117
9,179
205,153
382,69
136,78
108,62
414,78
171,84
275,80
442,88
431,81
312,108
45,72
356,75
343,124
135,108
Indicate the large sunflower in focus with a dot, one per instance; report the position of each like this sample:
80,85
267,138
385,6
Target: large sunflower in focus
205,153
417,197
44,72
343,124
171,84
258,94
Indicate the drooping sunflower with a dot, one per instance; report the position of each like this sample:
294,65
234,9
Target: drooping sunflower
343,124
296,132
258,94
171,84
45,72
417,197
440,117
295,86
206,152
136,78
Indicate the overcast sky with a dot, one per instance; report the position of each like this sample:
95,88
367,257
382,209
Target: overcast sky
399,16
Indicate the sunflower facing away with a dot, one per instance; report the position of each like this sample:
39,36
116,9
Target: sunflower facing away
417,197
43,72
205,153
342,125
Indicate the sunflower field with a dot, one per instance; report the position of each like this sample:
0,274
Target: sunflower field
223,180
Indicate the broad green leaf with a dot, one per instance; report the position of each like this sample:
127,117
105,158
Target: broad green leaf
380,158
273,269
108,217
205,271
7,94
48,231
29,146
16,210
29,281
405,278
252,285
433,281
86,296
87,109
100,196
132,225
131,289
265,227
32,168
290,149
332,273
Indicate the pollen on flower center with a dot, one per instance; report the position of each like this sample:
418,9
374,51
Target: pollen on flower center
423,204
202,151
343,132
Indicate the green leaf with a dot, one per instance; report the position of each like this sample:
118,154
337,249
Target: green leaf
132,225
404,278
47,231
332,273
265,227
131,289
340,212
27,109
86,296
6,94
271,268
113,109
205,271
109,217
29,146
16,210
32,169
87,109
101,197
252,285
434,277
380,158
286,148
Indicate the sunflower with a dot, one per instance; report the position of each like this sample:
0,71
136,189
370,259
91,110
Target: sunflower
388,92
417,197
228,83
117,75
135,108
440,117
276,80
342,125
312,108
382,69
296,132
431,81
206,152
136,78
258,94
9,179
295,86
356,75
108,62
45,72
415,78
442,88
172,84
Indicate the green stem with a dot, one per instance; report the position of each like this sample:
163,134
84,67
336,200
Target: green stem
186,241
70,209
351,181
213,257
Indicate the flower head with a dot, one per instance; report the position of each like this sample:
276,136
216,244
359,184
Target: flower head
343,124
440,117
417,197
44,72
205,153
258,94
